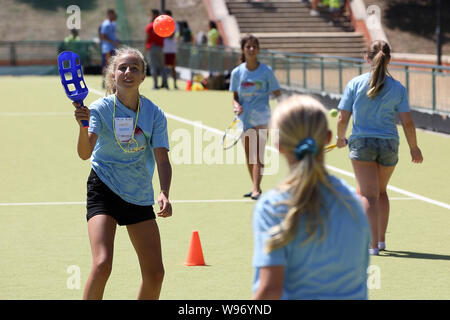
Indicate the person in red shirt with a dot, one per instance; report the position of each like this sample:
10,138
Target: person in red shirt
154,51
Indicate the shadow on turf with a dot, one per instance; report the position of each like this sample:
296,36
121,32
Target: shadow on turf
414,255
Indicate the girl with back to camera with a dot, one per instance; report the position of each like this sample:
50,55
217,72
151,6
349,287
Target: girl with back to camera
127,135
310,232
252,82
373,99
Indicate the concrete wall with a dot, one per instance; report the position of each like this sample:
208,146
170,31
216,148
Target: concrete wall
227,24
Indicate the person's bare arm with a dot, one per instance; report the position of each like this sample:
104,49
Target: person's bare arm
410,132
237,108
277,94
86,140
105,38
342,124
270,283
165,178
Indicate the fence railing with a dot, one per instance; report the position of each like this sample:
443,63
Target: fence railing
427,85
17,53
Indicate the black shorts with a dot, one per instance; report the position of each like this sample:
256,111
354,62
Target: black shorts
101,200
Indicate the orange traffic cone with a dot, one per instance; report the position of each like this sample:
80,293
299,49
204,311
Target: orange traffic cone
195,254
188,85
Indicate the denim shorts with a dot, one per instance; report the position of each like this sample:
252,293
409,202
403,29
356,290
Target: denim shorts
382,151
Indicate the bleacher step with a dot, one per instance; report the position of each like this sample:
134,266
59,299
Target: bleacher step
288,26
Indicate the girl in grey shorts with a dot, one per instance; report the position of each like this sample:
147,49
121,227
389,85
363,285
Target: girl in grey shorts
373,99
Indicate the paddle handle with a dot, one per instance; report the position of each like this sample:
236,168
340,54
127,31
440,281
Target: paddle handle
84,123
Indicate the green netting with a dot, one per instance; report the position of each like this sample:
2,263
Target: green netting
122,21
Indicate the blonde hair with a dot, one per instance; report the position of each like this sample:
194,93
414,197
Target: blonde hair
112,65
379,53
298,118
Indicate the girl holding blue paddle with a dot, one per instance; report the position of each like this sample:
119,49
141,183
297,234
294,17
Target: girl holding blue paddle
127,136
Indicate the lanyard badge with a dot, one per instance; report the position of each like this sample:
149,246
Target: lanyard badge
124,131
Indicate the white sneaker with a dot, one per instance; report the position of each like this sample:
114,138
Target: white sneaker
373,251
381,246
314,13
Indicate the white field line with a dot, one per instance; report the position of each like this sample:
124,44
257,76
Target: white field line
34,114
343,172
220,132
77,203
22,204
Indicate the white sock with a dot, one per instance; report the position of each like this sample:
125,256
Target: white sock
381,245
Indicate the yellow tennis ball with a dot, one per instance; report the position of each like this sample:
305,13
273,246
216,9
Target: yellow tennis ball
333,113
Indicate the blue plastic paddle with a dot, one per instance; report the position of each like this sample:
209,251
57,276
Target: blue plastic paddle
69,66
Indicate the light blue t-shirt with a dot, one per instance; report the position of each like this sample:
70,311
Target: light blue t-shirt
374,117
254,89
108,28
129,175
336,267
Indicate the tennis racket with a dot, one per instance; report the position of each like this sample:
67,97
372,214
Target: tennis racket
233,133
69,66
329,148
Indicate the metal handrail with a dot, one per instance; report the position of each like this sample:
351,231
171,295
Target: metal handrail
426,84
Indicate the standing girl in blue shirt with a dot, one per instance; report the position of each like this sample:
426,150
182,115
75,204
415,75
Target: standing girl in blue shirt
374,99
252,82
311,234
127,135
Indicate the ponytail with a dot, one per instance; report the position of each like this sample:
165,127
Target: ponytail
302,125
379,53
303,185
296,118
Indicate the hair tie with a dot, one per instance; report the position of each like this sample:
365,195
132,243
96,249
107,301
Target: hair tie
307,145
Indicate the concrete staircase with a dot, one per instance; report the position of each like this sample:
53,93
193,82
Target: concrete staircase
288,26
